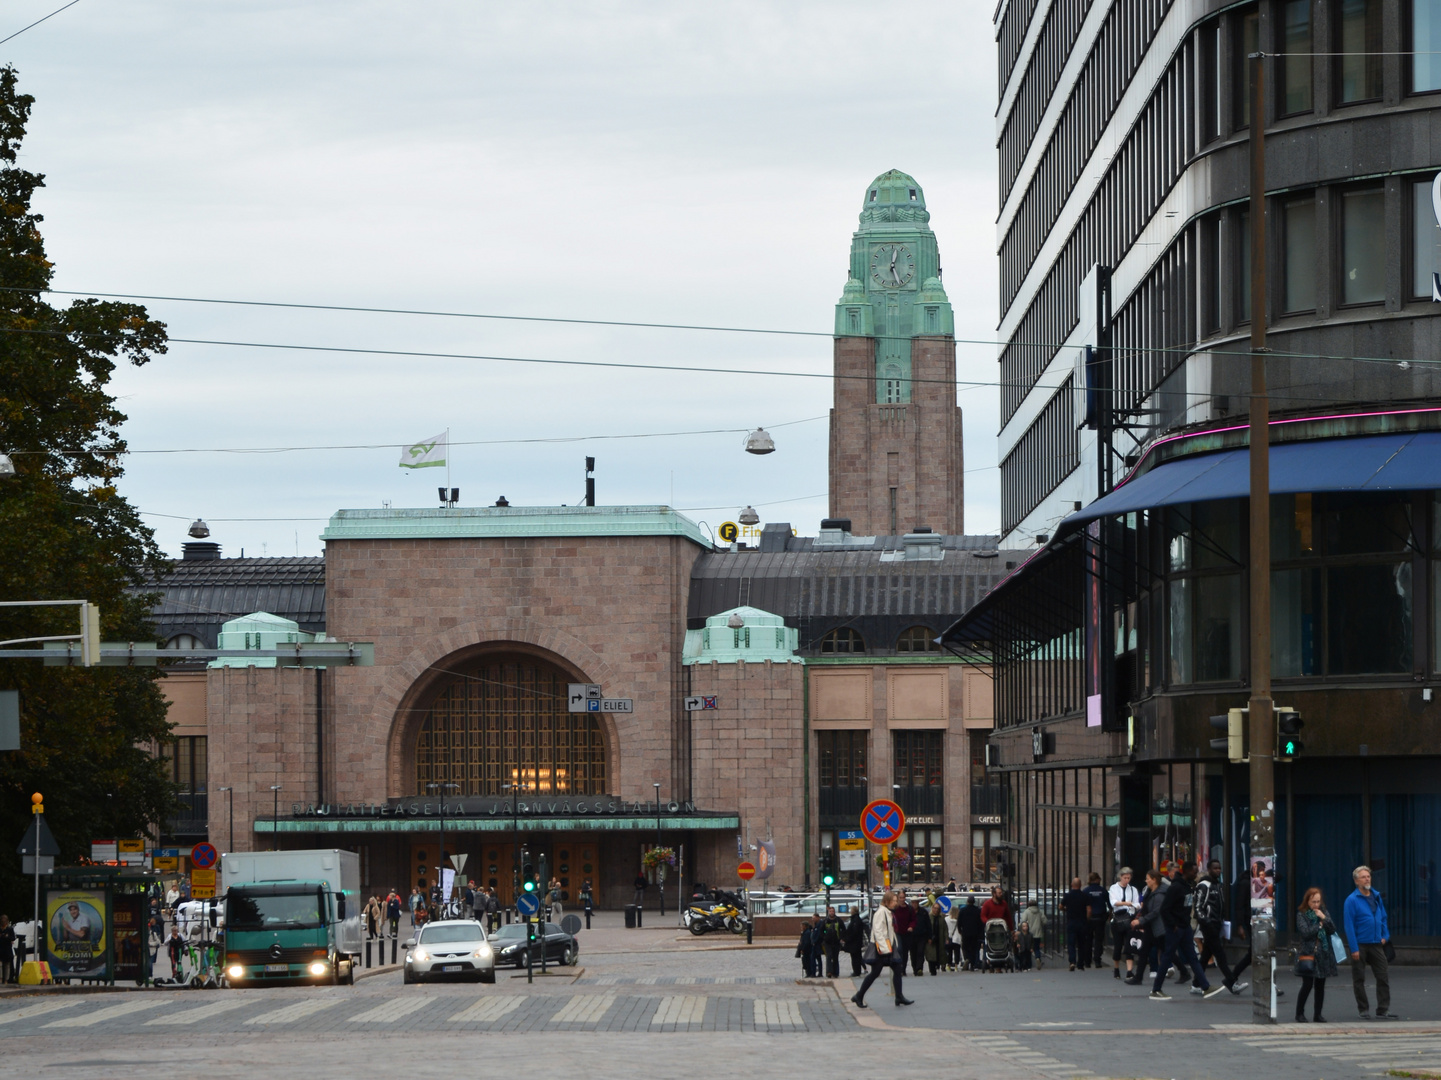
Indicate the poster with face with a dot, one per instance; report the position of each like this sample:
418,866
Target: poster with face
75,938
1263,885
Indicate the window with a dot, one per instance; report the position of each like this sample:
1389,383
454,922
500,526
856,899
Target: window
1426,43
1210,119
844,778
184,641
1425,239
1209,235
1358,69
1299,225
1205,597
501,725
918,639
891,393
186,763
843,640
1295,96
919,771
924,857
1363,247
1246,30
1243,266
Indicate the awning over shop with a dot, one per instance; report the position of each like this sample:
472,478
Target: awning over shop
670,822
1405,461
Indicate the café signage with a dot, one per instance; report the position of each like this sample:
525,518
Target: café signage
501,808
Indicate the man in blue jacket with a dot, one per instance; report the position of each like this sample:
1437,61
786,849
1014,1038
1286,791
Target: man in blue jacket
1368,934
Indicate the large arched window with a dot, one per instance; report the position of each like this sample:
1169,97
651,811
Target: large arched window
502,724
917,639
843,640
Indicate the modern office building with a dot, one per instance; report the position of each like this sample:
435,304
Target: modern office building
1124,134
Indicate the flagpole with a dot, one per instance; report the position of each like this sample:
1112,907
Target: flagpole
447,459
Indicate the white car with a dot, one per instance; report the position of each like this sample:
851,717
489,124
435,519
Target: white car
450,948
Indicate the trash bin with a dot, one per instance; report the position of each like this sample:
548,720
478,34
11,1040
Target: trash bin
632,916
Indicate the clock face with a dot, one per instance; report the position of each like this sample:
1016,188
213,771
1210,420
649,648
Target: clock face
892,266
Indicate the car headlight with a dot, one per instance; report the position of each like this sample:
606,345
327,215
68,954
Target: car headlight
317,968
236,971
420,954
482,953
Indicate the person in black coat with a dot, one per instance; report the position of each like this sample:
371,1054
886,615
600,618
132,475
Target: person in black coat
854,940
1077,906
920,934
1180,944
972,928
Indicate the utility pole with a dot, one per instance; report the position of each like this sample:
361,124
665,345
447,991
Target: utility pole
1263,741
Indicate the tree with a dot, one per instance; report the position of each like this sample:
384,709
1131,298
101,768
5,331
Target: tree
86,733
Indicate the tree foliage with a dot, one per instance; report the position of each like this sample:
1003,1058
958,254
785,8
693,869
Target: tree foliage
87,735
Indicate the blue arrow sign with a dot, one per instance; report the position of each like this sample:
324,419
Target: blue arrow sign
944,901
527,904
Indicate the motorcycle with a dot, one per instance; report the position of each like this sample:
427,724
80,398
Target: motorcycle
700,919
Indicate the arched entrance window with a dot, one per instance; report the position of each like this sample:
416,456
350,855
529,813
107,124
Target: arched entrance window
501,723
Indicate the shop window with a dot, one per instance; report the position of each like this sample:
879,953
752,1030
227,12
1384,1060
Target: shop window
924,858
1425,239
1363,268
1425,43
1299,230
1358,68
1295,95
842,641
918,639
1205,603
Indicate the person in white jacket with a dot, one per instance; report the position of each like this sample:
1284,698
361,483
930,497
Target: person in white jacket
887,944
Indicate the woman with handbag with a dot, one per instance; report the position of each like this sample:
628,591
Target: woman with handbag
883,951
1315,955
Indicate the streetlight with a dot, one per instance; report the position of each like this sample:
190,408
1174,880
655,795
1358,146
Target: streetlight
274,813
440,868
514,790
660,885
230,797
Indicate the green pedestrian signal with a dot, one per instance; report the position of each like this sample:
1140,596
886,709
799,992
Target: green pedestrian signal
1288,731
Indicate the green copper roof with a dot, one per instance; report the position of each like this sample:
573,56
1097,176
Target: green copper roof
894,188
760,637
487,522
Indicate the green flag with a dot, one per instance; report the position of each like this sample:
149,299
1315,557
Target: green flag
426,454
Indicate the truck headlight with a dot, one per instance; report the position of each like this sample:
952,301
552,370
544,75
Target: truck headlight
235,971
317,968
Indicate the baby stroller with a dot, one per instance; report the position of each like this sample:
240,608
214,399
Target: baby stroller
997,954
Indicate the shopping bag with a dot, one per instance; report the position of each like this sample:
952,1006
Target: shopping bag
1338,948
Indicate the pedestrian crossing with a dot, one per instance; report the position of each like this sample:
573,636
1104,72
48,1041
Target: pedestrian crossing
681,980
1416,1051
1011,1050
688,1007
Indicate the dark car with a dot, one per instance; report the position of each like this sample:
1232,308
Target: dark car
510,945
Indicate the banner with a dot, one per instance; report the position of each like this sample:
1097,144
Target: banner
426,454
75,939
766,859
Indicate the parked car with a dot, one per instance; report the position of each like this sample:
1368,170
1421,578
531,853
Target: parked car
510,945
456,948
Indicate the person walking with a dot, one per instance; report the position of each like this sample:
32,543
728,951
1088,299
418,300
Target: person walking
1033,922
920,935
492,909
936,944
953,939
392,913
1100,910
888,953
1207,906
1147,927
971,925
372,916
417,901
1077,908
7,949
803,948
903,919
1125,902
1180,944
587,900
1315,959
832,930
997,908
1369,935
554,891
175,945
855,941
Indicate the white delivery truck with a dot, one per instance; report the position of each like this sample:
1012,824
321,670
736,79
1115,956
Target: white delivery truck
291,916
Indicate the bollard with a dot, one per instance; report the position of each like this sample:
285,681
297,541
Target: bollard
751,923
587,918
367,952
394,944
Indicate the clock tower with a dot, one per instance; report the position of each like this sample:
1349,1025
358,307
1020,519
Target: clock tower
895,426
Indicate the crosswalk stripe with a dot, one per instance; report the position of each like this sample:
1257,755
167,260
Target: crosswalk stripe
680,1009
584,1009
291,1013
40,1008
772,1012
488,1009
391,1011
685,980
607,980
125,1008
204,1012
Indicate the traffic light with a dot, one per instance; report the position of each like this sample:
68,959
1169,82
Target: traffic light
829,881
1233,723
828,865
529,885
1288,730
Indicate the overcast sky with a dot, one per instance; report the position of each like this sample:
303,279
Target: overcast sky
669,162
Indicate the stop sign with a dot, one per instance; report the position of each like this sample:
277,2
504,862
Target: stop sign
746,871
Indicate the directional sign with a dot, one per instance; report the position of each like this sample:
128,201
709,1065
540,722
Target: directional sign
580,695
204,856
610,704
699,702
527,904
883,822
945,902
746,870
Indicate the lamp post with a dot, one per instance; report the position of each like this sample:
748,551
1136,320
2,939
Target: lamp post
230,798
440,867
274,814
660,867
515,845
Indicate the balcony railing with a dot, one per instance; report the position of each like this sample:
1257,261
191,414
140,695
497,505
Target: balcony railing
845,802
194,815
928,799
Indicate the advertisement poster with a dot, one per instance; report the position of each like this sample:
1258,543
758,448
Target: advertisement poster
766,859
130,934
75,933
1263,886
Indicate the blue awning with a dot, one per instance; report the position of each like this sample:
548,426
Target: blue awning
1409,461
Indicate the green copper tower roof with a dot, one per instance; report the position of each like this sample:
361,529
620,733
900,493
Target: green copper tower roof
893,291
